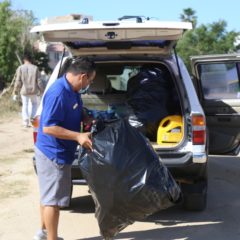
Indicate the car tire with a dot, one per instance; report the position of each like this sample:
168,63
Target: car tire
195,196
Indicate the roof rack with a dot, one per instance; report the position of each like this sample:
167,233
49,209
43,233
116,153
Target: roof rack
139,19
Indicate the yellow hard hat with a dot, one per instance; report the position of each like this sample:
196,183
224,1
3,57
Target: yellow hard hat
170,131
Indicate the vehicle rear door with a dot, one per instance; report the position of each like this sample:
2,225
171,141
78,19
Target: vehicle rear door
117,37
216,79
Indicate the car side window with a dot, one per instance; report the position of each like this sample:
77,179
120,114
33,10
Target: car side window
219,80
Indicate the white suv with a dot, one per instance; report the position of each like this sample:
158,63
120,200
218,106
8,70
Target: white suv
122,51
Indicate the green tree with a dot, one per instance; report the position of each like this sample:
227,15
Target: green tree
188,15
9,32
27,20
206,39
14,38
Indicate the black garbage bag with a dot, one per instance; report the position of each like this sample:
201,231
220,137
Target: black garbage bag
149,95
127,180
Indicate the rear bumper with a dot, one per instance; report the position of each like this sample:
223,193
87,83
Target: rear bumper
181,165
186,166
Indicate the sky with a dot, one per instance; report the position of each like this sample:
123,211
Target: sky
207,11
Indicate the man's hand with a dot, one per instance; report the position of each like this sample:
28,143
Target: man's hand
84,139
14,97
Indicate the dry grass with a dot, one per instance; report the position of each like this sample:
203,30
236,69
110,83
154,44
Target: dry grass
14,179
13,188
8,107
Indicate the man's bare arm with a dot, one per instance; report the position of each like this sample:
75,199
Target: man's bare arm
84,139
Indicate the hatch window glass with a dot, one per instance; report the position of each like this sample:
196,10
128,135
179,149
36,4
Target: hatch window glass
219,80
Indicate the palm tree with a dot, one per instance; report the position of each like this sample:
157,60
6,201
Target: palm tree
188,15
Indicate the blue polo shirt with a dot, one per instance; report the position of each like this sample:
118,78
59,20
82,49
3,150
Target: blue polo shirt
61,107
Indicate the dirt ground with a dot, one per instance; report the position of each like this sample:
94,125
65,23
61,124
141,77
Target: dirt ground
17,180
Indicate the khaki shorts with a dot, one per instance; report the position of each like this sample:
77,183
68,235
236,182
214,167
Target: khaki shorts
54,181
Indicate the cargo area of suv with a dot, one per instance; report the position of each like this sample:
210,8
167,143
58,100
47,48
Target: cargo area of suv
141,79
142,91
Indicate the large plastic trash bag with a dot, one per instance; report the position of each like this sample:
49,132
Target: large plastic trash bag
149,96
127,180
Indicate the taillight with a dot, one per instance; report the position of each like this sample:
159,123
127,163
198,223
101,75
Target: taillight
35,124
198,130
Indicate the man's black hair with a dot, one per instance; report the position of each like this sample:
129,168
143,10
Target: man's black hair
81,65
28,57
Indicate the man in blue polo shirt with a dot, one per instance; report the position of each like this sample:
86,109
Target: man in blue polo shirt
58,136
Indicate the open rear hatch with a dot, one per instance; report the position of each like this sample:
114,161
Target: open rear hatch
96,36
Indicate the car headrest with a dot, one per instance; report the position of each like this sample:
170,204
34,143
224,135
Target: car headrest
101,84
